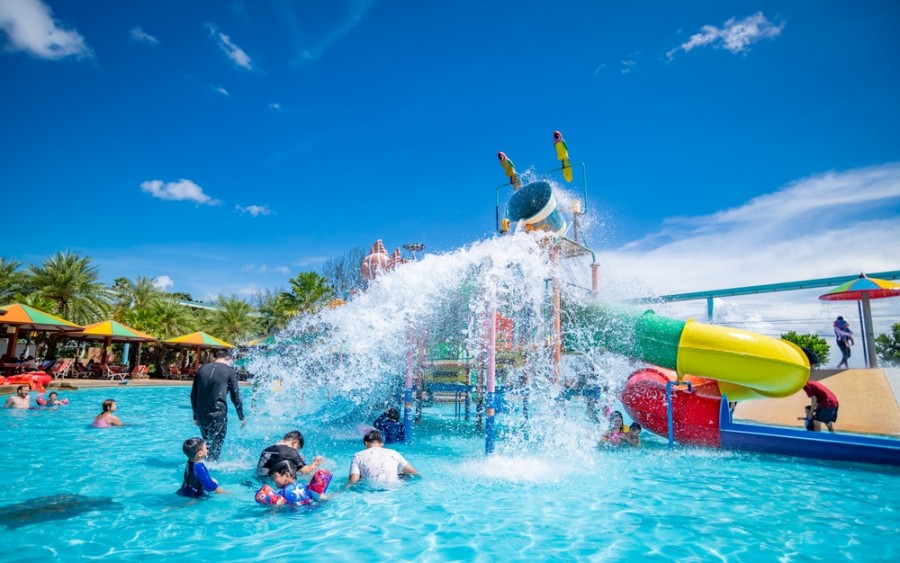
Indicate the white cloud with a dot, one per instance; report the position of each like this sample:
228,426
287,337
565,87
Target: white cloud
627,66
735,36
254,210
163,282
221,90
827,225
263,268
358,11
182,190
138,35
235,53
276,106
29,26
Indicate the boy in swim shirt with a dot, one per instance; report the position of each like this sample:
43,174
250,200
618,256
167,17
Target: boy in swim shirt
197,481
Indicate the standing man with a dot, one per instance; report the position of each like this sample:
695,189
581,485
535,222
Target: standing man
822,404
211,384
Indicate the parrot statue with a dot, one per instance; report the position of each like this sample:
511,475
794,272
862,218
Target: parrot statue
562,153
510,169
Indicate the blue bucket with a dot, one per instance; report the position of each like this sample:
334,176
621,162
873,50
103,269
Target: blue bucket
535,205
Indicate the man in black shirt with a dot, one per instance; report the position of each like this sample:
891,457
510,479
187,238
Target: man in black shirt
287,449
212,384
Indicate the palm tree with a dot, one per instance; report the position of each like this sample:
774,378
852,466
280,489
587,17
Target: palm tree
167,318
273,311
309,292
73,284
10,280
234,321
134,301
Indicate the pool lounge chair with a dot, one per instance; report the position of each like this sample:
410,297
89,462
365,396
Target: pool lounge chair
61,369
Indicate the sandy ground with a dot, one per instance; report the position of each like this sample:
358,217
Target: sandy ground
868,402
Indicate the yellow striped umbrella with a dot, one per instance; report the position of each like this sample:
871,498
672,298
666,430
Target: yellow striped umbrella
197,340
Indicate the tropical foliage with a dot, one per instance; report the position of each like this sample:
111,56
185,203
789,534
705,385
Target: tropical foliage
887,346
815,343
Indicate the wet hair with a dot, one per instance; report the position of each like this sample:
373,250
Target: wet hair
373,436
635,426
220,353
191,446
295,435
53,393
393,414
20,387
840,318
285,468
107,404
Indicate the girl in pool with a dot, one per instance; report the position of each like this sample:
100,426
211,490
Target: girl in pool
613,436
107,418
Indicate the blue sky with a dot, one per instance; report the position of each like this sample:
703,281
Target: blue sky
227,146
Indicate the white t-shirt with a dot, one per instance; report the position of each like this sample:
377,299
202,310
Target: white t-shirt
377,464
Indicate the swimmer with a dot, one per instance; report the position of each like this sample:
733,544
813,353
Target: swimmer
52,400
197,481
617,430
20,399
289,491
106,418
633,436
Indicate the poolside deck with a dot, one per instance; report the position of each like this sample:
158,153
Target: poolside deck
870,402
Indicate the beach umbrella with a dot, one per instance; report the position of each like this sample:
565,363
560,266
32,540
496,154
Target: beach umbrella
197,340
864,289
109,332
15,318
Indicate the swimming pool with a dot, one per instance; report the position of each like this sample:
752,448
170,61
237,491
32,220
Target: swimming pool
537,502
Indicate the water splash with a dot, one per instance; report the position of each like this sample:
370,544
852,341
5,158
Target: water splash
338,368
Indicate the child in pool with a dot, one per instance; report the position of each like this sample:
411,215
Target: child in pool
197,482
633,436
106,418
289,491
52,400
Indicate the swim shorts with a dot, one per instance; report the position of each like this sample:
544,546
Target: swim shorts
825,415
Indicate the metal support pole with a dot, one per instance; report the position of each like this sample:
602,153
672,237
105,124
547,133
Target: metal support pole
669,409
869,331
557,323
491,383
709,310
407,393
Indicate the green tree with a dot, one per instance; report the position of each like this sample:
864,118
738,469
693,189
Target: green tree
344,274
309,292
815,343
170,319
887,346
234,321
73,284
134,301
273,311
11,280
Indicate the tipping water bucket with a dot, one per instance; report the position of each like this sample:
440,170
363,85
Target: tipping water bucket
535,205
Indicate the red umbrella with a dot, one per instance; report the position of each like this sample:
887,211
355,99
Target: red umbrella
863,289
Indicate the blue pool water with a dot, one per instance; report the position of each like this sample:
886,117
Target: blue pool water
587,504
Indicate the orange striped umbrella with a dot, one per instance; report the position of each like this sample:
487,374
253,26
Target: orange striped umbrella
19,317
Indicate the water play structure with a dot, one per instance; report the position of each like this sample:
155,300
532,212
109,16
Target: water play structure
515,326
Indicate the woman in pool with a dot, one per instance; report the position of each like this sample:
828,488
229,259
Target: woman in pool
613,436
107,418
